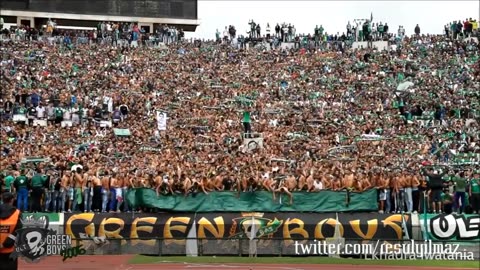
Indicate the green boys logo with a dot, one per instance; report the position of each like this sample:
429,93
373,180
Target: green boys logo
254,225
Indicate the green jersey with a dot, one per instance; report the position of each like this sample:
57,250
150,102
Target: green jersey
246,117
8,181
21,182
446,197
22,110
475,185
38,180
461,183
58,113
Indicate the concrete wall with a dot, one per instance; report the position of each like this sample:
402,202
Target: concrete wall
380,45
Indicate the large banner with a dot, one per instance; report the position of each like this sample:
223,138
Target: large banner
222,233
259,201
451,227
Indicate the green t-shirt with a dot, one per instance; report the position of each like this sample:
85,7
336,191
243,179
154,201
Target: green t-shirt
8,182
38,180
58,112
22,110
246,117
461,183
475,185
446,197
21,181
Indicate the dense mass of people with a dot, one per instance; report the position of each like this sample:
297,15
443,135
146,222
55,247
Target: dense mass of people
82,123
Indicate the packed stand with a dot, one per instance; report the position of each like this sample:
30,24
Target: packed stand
84,123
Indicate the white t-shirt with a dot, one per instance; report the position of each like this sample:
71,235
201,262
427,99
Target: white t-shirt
67,115
110,105
74,167
75,110
40,112
318,185
50,111
84,113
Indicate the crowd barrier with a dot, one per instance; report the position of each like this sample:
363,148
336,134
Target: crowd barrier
228,201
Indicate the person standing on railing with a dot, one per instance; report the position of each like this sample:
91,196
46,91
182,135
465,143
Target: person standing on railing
474,192
435,186
50,193
78,181
114,185
417,30
87,192
247,126
115,36
21,188
460,189
105,190
38,190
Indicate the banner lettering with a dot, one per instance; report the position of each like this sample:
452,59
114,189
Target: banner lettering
144,229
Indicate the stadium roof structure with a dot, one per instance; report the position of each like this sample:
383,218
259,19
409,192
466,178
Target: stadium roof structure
179,13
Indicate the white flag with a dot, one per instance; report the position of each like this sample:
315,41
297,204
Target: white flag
253,230
161,120
191,246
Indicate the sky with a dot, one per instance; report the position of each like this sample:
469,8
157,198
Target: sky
332,15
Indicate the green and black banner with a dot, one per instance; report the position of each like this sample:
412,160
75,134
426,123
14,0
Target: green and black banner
451,227
319,202
175,228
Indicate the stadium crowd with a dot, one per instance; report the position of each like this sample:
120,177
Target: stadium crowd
82,123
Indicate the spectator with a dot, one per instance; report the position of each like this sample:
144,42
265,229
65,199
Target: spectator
417,30
474,192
